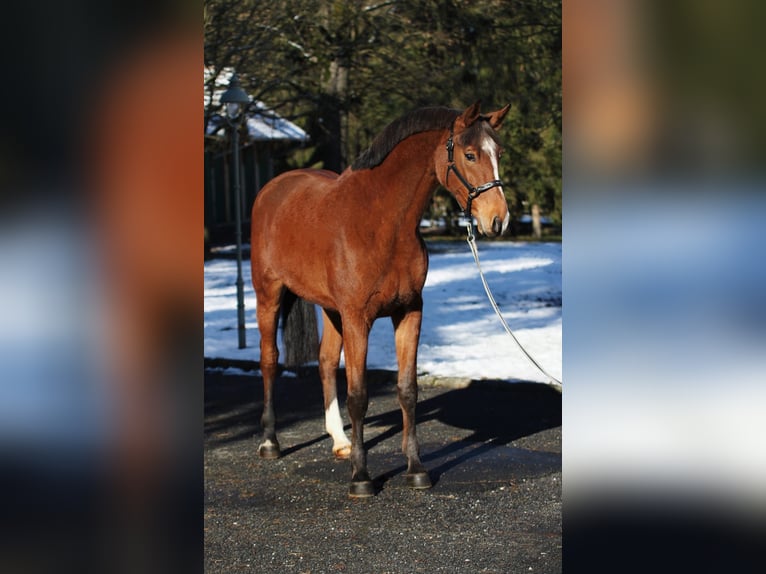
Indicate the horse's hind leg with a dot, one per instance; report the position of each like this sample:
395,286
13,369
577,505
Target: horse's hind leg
267,311
407,334
329,358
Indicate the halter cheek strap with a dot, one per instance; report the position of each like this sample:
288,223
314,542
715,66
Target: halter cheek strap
473,192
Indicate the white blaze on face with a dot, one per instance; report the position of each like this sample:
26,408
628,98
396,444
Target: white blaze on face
488,147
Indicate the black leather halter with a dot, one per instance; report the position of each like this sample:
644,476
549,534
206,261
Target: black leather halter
473,192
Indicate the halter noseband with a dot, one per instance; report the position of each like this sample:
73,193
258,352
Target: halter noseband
473,192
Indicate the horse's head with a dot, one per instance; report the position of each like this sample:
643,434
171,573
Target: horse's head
467,166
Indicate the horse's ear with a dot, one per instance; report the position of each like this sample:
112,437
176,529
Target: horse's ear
471,114
496,118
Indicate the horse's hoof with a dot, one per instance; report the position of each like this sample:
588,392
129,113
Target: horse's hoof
342,452
361,489
418,480
269,451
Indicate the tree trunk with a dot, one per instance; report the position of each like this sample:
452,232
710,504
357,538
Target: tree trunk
335,117
537,228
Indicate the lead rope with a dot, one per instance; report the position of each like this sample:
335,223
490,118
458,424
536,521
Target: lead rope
553,381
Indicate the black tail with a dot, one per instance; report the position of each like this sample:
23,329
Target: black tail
300,334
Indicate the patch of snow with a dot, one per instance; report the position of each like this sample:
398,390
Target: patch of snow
460,337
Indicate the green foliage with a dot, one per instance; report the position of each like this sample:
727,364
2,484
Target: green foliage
344,69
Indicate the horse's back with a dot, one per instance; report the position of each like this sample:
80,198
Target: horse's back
296,181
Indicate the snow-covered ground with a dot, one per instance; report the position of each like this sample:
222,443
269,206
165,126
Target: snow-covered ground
461,335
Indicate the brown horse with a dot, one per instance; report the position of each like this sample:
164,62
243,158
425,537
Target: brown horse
351,244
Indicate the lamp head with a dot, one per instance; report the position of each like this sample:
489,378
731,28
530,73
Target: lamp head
234,98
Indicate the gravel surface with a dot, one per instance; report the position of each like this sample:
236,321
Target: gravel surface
493,451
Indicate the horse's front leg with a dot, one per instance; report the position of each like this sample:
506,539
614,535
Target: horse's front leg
329,358
407,335
355,333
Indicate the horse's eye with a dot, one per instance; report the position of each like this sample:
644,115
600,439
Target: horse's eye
470,157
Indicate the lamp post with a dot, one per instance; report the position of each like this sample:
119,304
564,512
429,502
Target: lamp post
235,100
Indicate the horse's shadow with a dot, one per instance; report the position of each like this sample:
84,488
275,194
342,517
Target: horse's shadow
495,414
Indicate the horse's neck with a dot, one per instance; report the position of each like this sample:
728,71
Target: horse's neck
406,180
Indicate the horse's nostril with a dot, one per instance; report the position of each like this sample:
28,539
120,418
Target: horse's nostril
497,225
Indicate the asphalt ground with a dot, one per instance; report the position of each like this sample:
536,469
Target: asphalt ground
493,451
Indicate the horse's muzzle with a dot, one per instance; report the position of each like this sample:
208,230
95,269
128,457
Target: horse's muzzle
497,226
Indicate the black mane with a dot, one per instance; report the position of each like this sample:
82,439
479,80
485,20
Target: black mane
417,121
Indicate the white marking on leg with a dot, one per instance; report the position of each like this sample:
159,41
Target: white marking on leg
334,426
